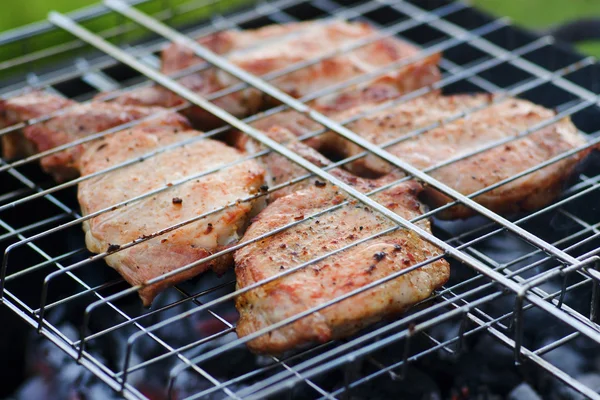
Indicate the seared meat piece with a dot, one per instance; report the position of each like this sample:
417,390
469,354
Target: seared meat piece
76,121
79,122
189,243
505,119
21,109
338,107
336,275
394,123
177,57
276,47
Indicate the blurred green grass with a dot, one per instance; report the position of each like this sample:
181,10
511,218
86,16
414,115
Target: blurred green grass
51,47
18,13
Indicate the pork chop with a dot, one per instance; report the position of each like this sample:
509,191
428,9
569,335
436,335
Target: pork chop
501,120
180,202
337,274
22,108
81,121
76,121
276,47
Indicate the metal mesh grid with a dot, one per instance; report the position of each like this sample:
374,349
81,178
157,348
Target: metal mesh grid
552,273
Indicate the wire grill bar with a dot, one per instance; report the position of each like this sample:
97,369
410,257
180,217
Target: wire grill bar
293,103
384,146
468,304
216,95
190,97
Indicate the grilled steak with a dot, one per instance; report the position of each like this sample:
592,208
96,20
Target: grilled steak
177,57
177,248
81,121
276,47
336,275
398,121
502,120
21,109
76,121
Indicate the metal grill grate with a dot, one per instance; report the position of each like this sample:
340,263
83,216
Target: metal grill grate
549,272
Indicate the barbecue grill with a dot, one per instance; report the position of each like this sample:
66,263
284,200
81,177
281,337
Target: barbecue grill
530,282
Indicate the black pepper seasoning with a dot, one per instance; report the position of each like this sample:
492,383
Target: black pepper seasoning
113,248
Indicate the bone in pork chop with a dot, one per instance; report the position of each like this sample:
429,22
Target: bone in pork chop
180,202
505,119
335,275
276,47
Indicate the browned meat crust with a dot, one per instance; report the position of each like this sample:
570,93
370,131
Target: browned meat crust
336,275
81,121
506,119
187,244
275,47
21,109
74,122
502,120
